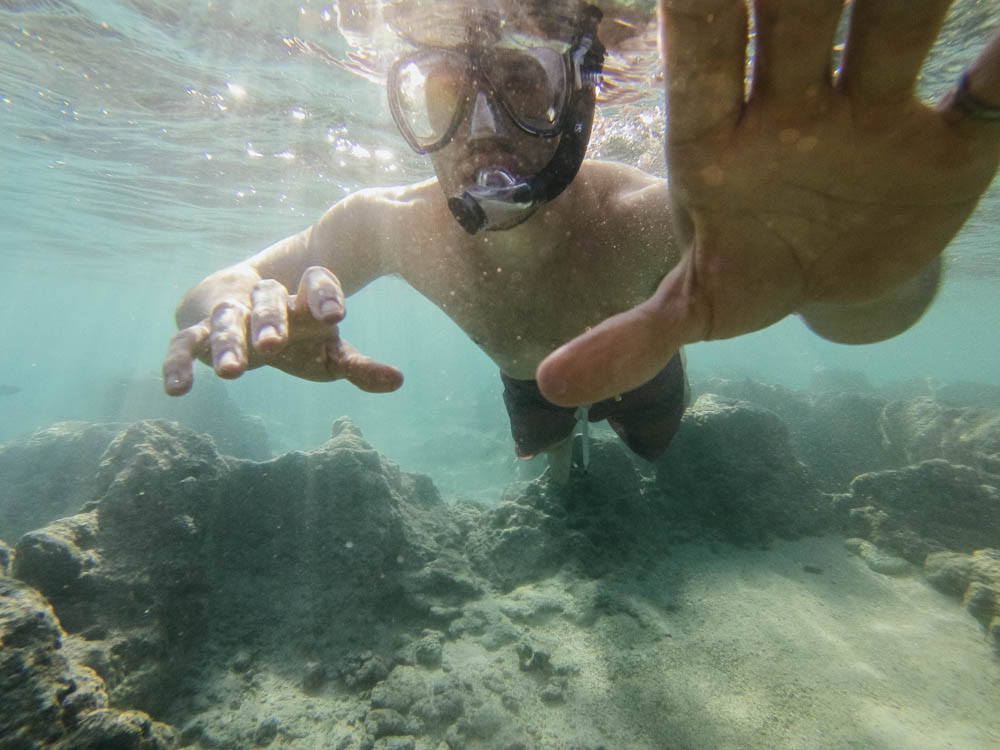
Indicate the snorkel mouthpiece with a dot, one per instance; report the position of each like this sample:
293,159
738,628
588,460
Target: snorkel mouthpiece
493,202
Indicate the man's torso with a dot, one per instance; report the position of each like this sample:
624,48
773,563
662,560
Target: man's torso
602,252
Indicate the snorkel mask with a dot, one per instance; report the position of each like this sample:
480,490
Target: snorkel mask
545,92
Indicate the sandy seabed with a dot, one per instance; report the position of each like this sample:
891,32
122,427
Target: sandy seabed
756,652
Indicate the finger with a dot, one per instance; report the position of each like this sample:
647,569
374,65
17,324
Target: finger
322,294
229,339
983,78
361,370
794,38
178,366
887,43
627,350
704,51
269,317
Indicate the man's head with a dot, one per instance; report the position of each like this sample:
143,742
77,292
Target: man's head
503,106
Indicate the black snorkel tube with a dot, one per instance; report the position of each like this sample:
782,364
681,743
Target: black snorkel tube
498,200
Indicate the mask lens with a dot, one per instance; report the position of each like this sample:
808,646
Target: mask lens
533,85
426,93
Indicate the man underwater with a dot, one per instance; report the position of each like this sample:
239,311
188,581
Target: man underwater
518,239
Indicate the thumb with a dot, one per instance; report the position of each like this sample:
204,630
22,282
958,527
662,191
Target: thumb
626,350
362,371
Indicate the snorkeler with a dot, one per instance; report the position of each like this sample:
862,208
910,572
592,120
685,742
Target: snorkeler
526,246
519,240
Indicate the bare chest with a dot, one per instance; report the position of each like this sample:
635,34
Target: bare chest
517,310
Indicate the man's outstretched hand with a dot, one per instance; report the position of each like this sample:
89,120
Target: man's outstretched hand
238,321
830,196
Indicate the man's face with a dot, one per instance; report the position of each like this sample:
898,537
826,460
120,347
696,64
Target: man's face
483,106
488,138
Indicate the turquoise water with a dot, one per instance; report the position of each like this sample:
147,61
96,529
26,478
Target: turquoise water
146,144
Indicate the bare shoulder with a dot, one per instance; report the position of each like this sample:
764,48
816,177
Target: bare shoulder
385,221
400,204
630,202
611,180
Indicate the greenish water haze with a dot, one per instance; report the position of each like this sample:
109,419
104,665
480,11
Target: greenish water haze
146,144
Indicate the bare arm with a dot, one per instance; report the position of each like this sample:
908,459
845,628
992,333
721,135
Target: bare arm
342,240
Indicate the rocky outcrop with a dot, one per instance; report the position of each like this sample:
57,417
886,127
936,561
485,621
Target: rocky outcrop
924,428
837,434
206,409
729,473
51,700
932,506
344,596
599,518
936,517
49,474
951,394
840,433
975,579
184,547
731,469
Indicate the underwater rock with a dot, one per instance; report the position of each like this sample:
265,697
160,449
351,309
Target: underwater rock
982,601
55,559
975,579
49,474
836,433
954,394
598,517
313,677
531,659
924,428
948,572
265,732
877,560
328,599
51,700
424,651
793,407
206,409
486,622
5,557
933,506
394,743
364,670
420,699
844,431
731,469
184,546
843,438
128,730
242,661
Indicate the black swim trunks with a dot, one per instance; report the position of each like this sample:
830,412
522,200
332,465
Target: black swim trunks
645,418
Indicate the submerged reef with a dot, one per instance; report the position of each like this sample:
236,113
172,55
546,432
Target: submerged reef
329,597
49,474
50,699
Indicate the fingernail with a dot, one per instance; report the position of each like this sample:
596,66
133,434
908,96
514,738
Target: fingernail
228,360
329,307
267,332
